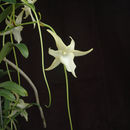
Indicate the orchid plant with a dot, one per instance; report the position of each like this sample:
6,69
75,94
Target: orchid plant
11,92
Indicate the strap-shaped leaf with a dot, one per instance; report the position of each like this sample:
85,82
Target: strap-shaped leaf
23,49
7,94
6,12
14,87
6,107
10,1
5,50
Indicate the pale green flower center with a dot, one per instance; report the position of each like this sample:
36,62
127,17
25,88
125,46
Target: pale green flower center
64,53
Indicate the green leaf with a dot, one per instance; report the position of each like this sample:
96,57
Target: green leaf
6,107
10,1
5,50
24,114
6,12
14,87
7,94
23,49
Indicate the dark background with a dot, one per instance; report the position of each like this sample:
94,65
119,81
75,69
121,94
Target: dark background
99,96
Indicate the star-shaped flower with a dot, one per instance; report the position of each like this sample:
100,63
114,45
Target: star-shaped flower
65,54
20,108
28,11
16,31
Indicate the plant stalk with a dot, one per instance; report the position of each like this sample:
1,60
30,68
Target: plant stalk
67,96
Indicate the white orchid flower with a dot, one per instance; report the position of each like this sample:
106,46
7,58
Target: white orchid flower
65,54
16,31
28,11
21,105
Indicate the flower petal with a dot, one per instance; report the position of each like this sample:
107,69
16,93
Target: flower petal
54,64
72,45
13,113
24,114
8,23
19,18
53,53
59,43
67,60
6,33
81,53
21,104
17,33
31,1
29,12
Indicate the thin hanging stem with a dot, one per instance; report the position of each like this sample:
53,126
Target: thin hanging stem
14,125
16,62
11,125
15,58
42,49
42,53
33,87
13,12
3,43
47,26
11,37
9,75
67,96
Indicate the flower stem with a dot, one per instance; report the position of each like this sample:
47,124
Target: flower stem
13,12
33,87
15,58
16,62
9,75
3,43
48,26
22,24
42,53
67,95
